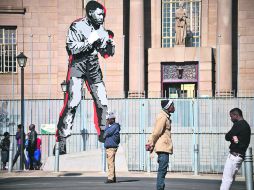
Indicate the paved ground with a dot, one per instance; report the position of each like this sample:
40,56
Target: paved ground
95,181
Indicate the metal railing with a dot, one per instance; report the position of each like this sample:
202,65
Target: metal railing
195,121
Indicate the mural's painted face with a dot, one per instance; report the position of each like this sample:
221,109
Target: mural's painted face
97,16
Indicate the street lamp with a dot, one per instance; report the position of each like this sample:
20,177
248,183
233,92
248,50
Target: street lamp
21,58
180,72
64,86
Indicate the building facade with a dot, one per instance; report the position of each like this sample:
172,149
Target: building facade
216,59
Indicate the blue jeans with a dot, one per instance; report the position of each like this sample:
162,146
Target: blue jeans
163,159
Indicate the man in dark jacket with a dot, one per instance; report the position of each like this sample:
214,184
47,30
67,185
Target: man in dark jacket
239,137
112,140
32,144
18,139
5,146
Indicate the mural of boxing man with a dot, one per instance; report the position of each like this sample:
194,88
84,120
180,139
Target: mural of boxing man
85,39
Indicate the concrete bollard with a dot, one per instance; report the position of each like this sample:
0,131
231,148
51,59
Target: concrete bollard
56,167
248,163
196,151
10,157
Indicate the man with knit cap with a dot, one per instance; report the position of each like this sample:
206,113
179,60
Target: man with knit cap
160,141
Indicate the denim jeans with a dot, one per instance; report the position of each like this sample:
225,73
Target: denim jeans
163,159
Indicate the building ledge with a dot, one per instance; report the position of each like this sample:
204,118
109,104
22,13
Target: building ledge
180,54
12,10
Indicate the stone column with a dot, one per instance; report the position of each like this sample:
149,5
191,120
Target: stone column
136,61
224,47
156,23
204,21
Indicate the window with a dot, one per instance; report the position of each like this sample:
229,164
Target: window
193,8
8,50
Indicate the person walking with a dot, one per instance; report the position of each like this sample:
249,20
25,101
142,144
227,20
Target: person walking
18,139
239,138
37,154
5,146
112,140
160,141
32,145
85,39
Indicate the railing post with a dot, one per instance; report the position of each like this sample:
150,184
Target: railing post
243,170
196,151
104,161
248,163
56,168
148,167
10,157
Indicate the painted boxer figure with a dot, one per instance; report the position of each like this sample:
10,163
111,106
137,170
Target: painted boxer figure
85,39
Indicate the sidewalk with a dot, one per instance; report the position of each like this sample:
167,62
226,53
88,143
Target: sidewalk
40,173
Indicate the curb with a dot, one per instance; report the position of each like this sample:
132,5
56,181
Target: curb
14,174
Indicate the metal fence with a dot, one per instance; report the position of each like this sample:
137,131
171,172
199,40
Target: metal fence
195,121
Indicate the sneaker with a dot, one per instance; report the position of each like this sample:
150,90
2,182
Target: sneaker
100,137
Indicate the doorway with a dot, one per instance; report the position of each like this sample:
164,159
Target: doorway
179,90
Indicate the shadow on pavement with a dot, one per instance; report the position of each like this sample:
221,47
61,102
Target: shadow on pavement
127,181
70,174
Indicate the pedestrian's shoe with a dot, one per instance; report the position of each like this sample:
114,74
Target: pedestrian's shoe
100,137
4,167
110,181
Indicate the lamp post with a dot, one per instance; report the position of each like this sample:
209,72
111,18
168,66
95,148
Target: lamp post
64,86
21,58
180,72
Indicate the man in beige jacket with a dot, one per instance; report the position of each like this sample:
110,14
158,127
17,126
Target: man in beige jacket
160,140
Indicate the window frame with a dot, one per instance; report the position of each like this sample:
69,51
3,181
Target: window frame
8,49
194,21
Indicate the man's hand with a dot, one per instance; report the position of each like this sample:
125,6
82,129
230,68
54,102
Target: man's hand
104,38
107,48
235,139
93,37
149,148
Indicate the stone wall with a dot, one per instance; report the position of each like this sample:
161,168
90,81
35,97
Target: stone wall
48,20
53,17
246,28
